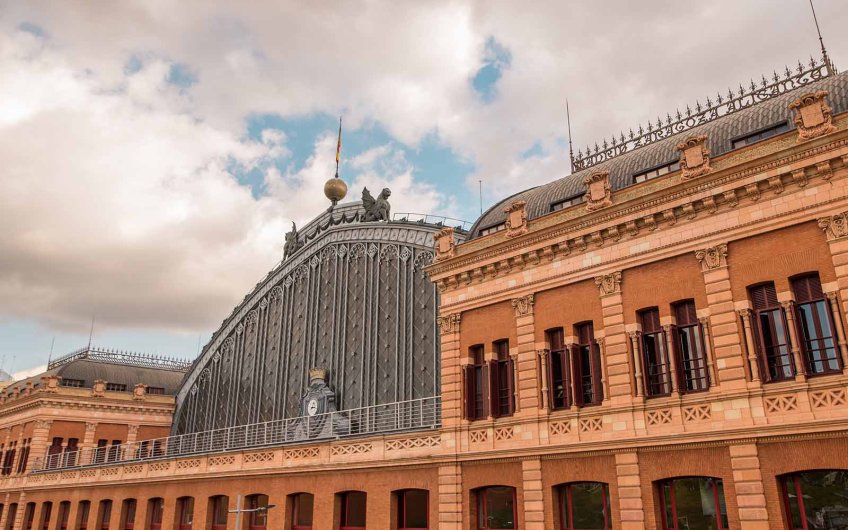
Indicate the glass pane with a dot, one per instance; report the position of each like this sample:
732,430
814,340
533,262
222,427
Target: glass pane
695,502
415,509
557,380
585,353
588,503
355,509
825,499
221,510
667,506
500,511
817,337
564,508
303,509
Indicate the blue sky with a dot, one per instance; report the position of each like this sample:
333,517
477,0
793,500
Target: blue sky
154,155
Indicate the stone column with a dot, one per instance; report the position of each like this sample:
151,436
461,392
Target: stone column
450,497
637,362
615,339
451,375
631,508
794,341
675,391
543,363
534,504
526,376
723,321
746,315
748,482
838,323
708,350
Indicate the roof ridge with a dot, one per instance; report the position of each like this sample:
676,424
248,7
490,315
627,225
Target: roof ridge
122,357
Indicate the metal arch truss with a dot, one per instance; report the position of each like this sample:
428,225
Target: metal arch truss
355,301
742,98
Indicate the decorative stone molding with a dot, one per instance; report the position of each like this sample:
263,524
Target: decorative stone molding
694,157
132,429
50,384
444,243
524,305
609,283
449,323
824,169
139,391
516,219
598,190
835,226
43,424
300,453
813,116
90,427
98,389
799,176
712,258
419,442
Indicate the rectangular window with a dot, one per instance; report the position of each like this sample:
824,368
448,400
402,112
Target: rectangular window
64,514
258,517
114,451
82,515
71,452
116,387
29,515
815,326
9,459
475,384
655,172
496,508
565,203
503,398
760,135
492,229
353,506
559,373
46,512
690,351
155,390
655,357
771,334
587,366
72,383
105,515
24,458
13,514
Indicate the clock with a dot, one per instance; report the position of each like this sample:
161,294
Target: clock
312,407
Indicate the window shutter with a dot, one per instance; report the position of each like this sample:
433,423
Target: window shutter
493,389
764,296
678,374
510,364
596,372
807,288
577,380
550,361
468,391
685,313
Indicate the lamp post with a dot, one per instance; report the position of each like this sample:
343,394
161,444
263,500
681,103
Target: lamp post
239,510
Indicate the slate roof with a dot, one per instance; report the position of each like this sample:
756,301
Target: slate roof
622,168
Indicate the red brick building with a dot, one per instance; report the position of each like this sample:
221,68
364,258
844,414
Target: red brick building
657,340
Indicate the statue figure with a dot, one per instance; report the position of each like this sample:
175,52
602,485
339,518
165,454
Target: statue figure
376,209
292,245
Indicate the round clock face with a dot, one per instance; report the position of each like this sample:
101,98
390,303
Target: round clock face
312,407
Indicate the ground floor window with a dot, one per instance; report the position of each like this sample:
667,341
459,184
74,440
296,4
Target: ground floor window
816,500
302,506
258,516
156,508
584,506
693,503
218,507
353,504
82,514
185,511
105,516
128,515
46,512
412,509
64,514
496,508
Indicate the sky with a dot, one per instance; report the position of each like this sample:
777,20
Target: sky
154,153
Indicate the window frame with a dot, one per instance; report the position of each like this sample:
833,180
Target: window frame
657,335
564,496
668,167
826,314
663,501
679,337
155,509
344,510
63,517
253,502
502,381
763,359
759,133
568,202
182,503
129,511
482,506
476,384
559,350
493,229
784,494
296,511
216,502
104,515
402,511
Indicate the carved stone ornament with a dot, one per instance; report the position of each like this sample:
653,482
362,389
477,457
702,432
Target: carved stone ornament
516,219
598,190
813,116
609,283
444,244
376,209
523,306
449,323
43,424
90,427
132,429
50,384
835,226
712,258
291,245
98,389
694,157
139,391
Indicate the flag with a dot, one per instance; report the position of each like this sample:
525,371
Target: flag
339,145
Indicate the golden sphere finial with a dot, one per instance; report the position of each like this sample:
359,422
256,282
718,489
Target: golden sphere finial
335,189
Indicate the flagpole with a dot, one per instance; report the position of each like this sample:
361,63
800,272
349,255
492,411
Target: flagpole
339,147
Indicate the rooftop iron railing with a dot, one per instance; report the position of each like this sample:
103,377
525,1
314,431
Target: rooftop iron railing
113,356
425,218
416,414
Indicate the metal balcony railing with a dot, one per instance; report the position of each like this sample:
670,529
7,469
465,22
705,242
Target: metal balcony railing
417,414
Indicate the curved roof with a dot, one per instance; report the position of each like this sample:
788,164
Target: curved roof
720,134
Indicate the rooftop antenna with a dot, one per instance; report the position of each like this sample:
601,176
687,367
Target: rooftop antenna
91,332
570,147
480,183
827,64
50,357
198,345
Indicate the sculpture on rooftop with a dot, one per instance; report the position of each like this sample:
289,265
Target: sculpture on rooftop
292,245
376,209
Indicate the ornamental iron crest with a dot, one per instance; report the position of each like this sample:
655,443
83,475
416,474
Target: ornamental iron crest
813,116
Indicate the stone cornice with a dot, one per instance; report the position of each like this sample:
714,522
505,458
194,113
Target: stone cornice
50,401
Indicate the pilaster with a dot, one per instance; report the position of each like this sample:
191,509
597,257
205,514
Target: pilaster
748,482
835,228
615,340
724,326
132,433
450,497
40,439
526,375
17,524
88,440
631,507
534,504
451,371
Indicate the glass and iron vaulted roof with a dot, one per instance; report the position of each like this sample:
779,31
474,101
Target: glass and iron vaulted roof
761,107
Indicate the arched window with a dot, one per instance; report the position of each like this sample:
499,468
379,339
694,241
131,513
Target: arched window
301,510
46,513
29,515
689,348
496,508
655,355
257,518
218,512
83,512
412,509
64,515
584,506
13,513
104,515
693,502
816,500
352,510
771,334
155,512
475,384
185,513
815,326
128,509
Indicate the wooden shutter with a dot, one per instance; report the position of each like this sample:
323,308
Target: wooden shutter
596,371
510,366
493,389
763,296
550,361
577,380
807,289
678,374
468,391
